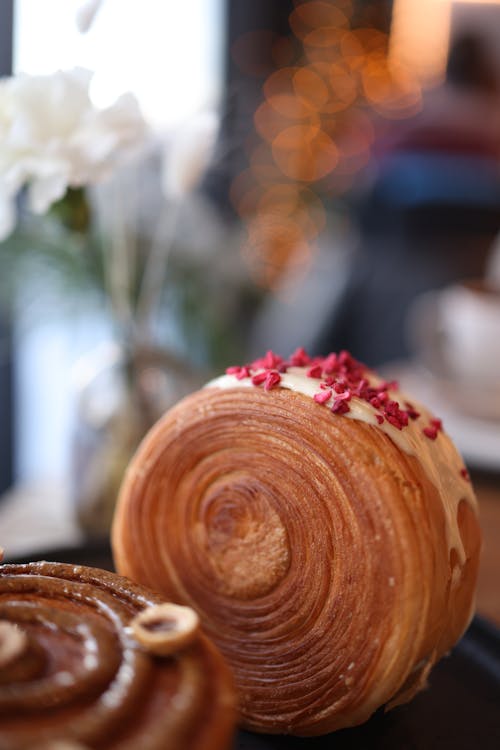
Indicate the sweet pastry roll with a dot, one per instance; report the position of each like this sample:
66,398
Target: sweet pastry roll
323,526
89,660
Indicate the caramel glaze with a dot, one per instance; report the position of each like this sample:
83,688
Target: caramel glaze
84,678
315,551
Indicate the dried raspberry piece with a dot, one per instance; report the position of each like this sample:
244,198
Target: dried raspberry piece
300,358
243,373
344,396
392,407
327,382
388,385
259,378
239,372
270,361
272,378
347,360
316,371
331,363
411,411
430,432
323,396
340,406
362,389
403,418
394,421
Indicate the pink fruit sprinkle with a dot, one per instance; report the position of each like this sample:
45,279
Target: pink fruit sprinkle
340,406
342,377
323,396
344,396
259,378
269,362
300,358
331,363
430,432
394,421
239,372
411,411
315,371
272,378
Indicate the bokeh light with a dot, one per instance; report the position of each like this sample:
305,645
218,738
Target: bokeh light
420,37
314,22
305,153
314,130
295,202
392,90
275,243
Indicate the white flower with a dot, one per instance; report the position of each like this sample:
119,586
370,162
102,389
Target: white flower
86,14
188,155
52,138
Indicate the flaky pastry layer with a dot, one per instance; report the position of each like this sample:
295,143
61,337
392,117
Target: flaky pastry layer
314,548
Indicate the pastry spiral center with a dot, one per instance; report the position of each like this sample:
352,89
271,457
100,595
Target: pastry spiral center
247,545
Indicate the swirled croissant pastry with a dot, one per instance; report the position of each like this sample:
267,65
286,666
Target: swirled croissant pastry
90,660
323,527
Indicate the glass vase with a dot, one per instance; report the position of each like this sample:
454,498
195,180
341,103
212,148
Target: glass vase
120,393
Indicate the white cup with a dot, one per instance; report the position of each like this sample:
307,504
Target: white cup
468,328
455,336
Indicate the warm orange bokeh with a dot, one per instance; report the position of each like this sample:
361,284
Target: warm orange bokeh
275,243
313,130
296,202
391,90
263,166
315,22
305,153
359,45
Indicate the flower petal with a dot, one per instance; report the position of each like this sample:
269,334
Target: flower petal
44,191
7,216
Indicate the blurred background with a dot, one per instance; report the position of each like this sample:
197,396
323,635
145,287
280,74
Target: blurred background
317,173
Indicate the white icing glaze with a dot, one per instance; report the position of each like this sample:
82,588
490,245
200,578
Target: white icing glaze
439,458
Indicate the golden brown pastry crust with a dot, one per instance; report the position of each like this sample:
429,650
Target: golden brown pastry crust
83,678
315,550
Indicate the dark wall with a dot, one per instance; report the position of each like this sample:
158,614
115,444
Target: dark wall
6,23
6,385
243,86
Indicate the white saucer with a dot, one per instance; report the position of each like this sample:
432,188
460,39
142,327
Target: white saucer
477,439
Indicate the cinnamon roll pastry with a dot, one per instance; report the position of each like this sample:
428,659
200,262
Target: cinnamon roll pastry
323,526
89,660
